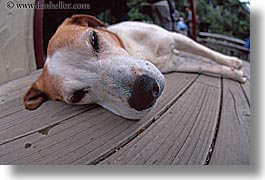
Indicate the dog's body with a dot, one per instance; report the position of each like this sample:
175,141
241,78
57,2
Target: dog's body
159,46
90,63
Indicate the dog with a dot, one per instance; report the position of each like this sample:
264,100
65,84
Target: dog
118,67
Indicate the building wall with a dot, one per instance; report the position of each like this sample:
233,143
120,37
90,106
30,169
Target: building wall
17,56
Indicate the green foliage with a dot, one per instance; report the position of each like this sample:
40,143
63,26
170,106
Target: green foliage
223,17
226,17
135,13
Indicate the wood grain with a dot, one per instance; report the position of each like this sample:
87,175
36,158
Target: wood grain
195,115
183,135
17,88
80,136
233,139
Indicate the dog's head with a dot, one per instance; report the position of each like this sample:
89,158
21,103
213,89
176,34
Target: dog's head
86,64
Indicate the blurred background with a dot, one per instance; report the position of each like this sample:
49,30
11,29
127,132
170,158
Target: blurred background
223,25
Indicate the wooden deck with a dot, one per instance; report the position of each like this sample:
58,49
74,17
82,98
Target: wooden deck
198,120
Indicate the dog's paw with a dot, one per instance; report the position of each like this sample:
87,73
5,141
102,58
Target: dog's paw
236,63
239,75
243,80
175,51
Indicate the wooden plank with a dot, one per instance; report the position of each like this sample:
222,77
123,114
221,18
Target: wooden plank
222,37
225,44
87,136
246,86
26,122
183,135
177,84
11,93
11,107
232,145
61,139
15,121
246,69
246,90
17,88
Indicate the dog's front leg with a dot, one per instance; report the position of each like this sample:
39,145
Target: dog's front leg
186,44
180,65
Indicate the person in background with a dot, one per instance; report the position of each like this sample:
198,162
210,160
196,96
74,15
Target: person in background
188,19
163,13
182,26
247,43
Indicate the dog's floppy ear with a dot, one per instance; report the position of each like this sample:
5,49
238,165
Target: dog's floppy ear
85,20
34,97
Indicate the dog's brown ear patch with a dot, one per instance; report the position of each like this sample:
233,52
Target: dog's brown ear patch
34,98
86,20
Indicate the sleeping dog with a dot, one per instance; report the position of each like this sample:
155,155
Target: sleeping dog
118,67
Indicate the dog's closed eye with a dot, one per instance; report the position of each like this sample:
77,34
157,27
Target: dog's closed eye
94,40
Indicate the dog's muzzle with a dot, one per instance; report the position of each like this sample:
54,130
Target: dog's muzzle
145,92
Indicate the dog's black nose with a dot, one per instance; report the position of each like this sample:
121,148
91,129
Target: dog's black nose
145,91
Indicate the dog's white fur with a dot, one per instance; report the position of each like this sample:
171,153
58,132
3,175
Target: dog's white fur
160,47
107,76
105,81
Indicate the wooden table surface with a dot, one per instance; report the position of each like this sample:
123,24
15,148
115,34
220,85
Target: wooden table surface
198,120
